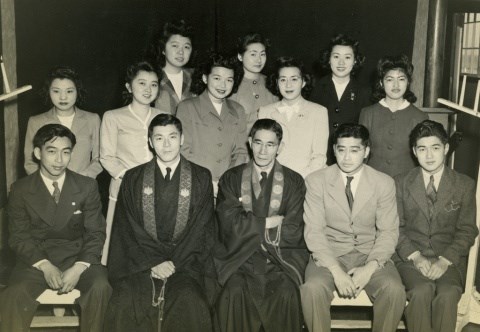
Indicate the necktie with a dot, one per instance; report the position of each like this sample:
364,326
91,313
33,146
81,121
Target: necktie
432,196
348,192
167,176
263,180
56,192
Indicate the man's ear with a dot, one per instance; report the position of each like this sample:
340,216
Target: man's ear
414,152
36,153
367,152
280,147
182,138
303,84
250,142
447,148
150,143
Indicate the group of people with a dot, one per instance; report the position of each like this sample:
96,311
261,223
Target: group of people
235,203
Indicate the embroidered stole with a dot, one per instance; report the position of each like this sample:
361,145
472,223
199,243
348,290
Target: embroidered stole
148,198
250,179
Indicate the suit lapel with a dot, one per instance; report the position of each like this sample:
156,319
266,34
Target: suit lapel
336,189
79,121
364,193
418,192
67,204
40,199
444,192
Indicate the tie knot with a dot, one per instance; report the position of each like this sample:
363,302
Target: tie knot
349,180
55,185
264,175
167,176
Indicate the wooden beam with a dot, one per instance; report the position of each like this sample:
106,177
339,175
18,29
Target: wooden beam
9,53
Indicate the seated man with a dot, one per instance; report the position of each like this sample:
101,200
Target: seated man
351,228
162,236
57,232
262,255
437,212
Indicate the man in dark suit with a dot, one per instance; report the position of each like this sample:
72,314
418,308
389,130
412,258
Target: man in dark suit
436,206
57,232
351,228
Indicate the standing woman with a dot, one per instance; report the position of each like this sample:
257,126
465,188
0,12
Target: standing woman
252,92
124,133
393,117
214,127
63,90
304,124
173,53
339,92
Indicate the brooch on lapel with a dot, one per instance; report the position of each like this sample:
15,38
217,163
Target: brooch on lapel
184,193
148,191
352,96
452,206
77,212
73,203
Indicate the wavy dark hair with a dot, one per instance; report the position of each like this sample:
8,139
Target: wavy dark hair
428,128
215,60
386,64
342,40
63,72
354,130
177,27
132,72
251,38
283,62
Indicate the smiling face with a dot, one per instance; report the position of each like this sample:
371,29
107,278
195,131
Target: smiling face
254,58
144,87
219,83
395,83
54,157
63,94
265,147
290,83
350,154
177,52
342,59
166,141
431,153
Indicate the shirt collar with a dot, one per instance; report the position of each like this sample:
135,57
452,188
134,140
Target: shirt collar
436,177
163,167
404,105
49,182
259,170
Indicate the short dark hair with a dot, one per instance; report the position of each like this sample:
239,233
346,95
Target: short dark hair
267,124
428,128
216,60
387,63
132,72
343,40
251,38
63,72
163,120
176,27
354,130
49,132
283,62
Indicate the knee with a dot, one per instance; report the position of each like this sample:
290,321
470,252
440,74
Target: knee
394,289
315,288
449,295
425,290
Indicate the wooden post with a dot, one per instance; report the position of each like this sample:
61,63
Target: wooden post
437,21
9,53
419,51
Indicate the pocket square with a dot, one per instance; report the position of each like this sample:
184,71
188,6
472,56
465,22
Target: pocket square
77,212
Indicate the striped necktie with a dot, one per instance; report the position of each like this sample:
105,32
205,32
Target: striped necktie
348,192
56,192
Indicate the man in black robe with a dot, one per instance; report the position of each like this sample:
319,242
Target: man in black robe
162,236
261,256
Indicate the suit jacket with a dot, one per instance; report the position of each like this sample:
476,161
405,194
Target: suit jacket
452,230
216,142
305,136
167,99
73,230
332,230
86,153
